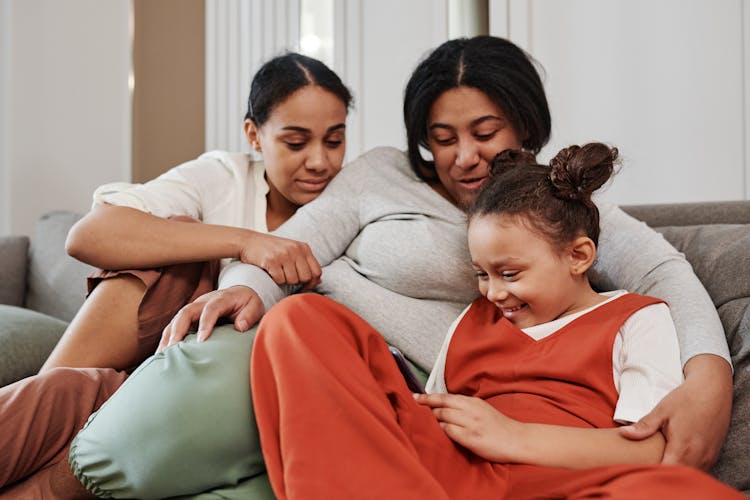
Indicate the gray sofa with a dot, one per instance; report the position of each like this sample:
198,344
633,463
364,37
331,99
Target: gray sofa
43,288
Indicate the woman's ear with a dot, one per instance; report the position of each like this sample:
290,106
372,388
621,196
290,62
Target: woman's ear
582,252
251,134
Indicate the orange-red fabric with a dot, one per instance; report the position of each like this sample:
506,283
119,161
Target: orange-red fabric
337,421
563,379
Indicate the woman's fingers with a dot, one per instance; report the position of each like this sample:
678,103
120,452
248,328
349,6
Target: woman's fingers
239,303
176,330
286,261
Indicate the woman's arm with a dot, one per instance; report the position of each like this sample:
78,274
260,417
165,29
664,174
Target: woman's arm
478,426
112,237
634,257
695,416
327,224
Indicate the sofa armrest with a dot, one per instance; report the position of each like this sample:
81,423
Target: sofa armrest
13,269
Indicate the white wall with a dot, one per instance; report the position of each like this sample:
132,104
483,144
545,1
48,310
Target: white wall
663,81
4,115
65,102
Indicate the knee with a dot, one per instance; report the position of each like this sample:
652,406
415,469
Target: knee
302,305
296,320
63,380
84,389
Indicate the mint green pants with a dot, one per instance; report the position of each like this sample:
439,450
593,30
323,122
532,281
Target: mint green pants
182,425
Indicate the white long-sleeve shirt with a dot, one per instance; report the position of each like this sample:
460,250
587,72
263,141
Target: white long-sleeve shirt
216,188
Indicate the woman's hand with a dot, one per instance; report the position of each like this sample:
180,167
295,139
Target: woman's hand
287,261
694,417
240,304
474,424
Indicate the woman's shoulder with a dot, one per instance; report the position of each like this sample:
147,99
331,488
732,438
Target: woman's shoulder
238,164
380,161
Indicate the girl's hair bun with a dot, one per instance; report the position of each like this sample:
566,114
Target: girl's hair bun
577,171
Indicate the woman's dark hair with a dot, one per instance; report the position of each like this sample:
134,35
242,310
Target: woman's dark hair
495,66
282,76
554,199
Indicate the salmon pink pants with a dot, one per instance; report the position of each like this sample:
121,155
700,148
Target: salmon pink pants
40,416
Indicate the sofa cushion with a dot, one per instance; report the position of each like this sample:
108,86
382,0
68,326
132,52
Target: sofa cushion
56,281
719,254
13,255
732,466
26,340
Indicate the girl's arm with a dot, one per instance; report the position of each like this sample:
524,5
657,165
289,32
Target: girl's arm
695,416
478,426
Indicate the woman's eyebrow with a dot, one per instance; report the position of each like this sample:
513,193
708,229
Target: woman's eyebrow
483,119
336,127
295,128
473,123
440,125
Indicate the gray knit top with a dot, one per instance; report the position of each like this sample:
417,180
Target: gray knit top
395,252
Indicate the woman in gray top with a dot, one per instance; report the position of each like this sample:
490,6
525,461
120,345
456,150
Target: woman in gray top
469,100
390,234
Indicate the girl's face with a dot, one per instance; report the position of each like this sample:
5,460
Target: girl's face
466,129
520,272
303,143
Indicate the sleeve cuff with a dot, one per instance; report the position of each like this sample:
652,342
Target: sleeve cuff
240,274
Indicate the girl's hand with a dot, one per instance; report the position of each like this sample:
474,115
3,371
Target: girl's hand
239,303
694,417
287,261
474,424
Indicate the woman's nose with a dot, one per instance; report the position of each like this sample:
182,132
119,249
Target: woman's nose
317,160
467,155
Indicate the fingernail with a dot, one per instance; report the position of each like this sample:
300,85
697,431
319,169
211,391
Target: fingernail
242,325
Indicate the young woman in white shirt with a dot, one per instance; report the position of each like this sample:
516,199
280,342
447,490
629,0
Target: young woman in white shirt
156,262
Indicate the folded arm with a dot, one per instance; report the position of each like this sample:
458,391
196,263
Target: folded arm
327,225
114,237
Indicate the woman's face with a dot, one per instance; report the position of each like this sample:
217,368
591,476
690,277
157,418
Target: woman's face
302,143
466,129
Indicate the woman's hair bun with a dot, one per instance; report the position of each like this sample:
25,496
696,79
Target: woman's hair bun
577,171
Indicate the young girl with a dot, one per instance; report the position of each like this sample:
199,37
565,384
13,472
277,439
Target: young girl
540,370
296,118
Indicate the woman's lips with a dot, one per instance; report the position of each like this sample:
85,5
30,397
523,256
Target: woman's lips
473,184
312,185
